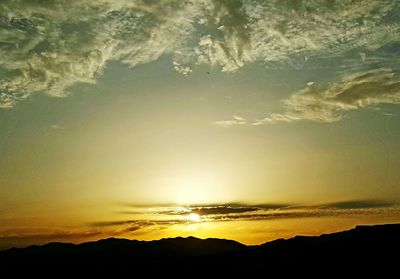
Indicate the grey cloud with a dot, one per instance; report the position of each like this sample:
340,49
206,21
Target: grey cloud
332,210
229,208
114,223
165,217
340,209
49,46
204,210
356,204
218,210
227,211
201,209
296,214
271,216
209,213
138,223
240,211
18,239
52,235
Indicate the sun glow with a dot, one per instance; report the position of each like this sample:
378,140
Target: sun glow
193,217
194,186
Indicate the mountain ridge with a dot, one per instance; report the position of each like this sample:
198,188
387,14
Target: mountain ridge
356,228
357,249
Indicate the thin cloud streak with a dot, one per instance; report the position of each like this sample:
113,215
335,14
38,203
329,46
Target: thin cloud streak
16,238
353,210
178,215
155,218
357,204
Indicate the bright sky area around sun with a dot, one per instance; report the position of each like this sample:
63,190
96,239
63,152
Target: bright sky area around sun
165,119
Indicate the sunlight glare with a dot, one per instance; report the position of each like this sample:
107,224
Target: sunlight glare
193,217
195,186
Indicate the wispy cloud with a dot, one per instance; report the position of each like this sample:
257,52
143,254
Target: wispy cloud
140,223
49,47
331,102
20,237
144,219
178,215
357,204
235,120
220,209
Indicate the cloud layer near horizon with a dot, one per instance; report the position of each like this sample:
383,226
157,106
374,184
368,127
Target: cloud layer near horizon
143,219
153,216
47,48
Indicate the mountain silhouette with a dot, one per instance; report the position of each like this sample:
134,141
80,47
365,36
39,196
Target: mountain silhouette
362,250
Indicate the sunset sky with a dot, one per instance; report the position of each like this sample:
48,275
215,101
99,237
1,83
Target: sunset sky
243,119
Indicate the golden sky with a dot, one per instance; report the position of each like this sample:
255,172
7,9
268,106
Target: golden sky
248,120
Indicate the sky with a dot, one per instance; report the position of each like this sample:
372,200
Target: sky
243,119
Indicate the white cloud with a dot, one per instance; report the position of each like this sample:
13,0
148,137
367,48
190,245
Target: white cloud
331,102
57,127
49,47
235,120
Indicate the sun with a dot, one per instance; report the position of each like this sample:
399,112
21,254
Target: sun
193,217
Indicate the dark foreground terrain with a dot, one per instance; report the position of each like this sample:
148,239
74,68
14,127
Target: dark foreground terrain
368,250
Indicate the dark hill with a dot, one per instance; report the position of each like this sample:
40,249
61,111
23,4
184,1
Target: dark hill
363,250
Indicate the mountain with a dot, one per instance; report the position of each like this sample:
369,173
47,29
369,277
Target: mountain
362,250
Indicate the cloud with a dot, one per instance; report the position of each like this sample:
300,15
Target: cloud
356,204
148,218
47,48
138,223
57,127
331,102
236,120
202,209
50,47
159,216
20,238
49,236
220,209
229,208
